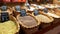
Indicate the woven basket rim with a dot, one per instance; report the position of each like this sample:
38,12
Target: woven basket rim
51,18
17,24
26,26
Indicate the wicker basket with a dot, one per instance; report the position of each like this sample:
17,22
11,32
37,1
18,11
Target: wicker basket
51,13
57,11
47,18
14,19
56,2
44,18
29,30
16,13
44,25
10,11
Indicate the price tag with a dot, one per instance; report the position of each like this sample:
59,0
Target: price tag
28,5
4,8
17,8
36,12
4,17
45,10
23,12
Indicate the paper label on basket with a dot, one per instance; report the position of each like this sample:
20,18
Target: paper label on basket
4,8
17,8
36,12
4,17
45,10
28,5
23,12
